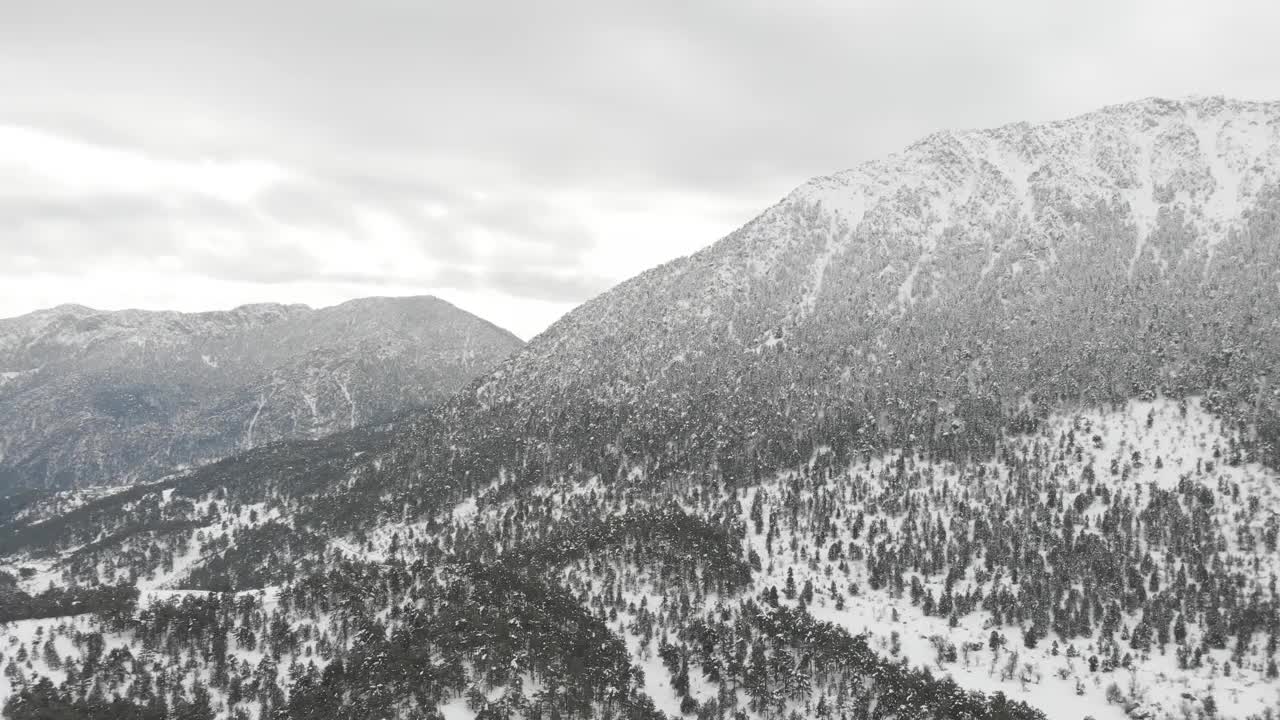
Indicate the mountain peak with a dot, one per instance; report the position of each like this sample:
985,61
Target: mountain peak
1200,158
1152,191
394,300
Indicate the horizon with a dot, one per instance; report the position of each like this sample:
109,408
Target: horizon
329,302
165,160
525,331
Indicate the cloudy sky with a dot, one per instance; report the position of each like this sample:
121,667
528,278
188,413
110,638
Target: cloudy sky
515,158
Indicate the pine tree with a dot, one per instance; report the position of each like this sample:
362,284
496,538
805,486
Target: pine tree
757,511
680,683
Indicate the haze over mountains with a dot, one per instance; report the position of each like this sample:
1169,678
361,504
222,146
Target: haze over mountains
90,397
983,429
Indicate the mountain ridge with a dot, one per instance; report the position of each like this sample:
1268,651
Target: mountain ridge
168,389
957,229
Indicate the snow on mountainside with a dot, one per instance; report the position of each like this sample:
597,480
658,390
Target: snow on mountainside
1151,447
984,429
953,213
1206,158
76,328
854,546
93,397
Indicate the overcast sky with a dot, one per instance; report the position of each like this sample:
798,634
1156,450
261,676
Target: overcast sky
514,158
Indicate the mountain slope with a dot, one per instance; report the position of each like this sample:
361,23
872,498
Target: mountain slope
988,272
93,397
981,430
1115,564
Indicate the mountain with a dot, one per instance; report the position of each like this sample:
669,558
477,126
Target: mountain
1128,250
91,397
983,429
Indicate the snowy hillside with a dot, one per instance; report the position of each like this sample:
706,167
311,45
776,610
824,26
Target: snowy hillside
1146,190
1098,468
907,552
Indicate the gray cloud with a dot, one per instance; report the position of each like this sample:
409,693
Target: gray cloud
551,283
75,233
718,90
396,108
57,233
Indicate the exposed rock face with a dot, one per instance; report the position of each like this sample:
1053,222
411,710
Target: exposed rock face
89,397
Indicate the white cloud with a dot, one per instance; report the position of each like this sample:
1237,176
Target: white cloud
67,165
157,253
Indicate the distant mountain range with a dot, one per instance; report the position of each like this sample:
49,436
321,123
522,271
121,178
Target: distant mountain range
93,397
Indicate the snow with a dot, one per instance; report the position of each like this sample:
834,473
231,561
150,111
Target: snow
979,179
33,633
46,572
269,597
1181,442
1157,428
1054,696
837,240
809,301
464,510
456,709
657,679
65,501
1223,199
182,564
906,290
8,376
1142,200
248,436
309,399
346,393
1017,171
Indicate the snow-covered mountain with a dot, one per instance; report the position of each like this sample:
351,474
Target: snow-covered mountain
92,397
984,429
1129,199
